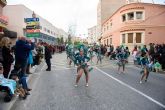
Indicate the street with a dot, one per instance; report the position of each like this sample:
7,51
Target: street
107,89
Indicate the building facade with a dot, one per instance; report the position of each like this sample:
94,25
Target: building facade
135,24
92,35
48,32
4,31
105,9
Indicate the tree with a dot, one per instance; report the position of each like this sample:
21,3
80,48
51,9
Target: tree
58,40
62,40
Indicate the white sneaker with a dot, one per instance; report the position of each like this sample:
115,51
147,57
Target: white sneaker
75,85
87,85
140,82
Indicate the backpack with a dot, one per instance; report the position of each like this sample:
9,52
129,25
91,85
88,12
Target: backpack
1,56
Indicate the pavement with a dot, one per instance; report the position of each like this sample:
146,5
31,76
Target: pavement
107,89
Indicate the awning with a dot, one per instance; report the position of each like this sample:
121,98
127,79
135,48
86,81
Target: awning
10,34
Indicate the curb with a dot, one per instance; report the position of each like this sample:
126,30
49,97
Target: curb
9,105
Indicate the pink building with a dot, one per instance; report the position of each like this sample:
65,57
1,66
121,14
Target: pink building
135,24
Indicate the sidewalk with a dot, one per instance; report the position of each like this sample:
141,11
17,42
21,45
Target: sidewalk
7,106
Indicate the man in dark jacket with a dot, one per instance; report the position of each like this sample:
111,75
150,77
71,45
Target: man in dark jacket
48,56
22,49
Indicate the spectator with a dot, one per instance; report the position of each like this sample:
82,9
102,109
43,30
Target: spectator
23,47
48,56
7,57
30,62
134,52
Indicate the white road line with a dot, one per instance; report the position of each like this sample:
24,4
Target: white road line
135,90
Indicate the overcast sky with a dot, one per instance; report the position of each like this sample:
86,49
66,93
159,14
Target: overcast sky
82,14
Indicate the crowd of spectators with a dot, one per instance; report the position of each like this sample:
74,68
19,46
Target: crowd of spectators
24,55
155,53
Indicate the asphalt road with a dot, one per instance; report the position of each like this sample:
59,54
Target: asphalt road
107,89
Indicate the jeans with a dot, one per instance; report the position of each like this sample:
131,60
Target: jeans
23,82
21,64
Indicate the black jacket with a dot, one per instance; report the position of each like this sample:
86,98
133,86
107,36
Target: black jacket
7,57
48,54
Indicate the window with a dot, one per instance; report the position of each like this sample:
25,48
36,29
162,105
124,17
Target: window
123,18
107,27
139,15
104,29
45,29
48,31
111,24
130,37
138,37
131,16
123,38
107,41
110,40
41,27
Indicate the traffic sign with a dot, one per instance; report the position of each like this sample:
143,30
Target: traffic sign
33,27
33,30
32,34
33,23
31,19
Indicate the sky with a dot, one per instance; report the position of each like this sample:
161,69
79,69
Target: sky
78,14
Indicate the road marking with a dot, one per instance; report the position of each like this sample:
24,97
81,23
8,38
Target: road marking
135,90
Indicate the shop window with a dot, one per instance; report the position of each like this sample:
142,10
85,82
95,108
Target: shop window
123,38
139,15
131,16
124,18
138,37
130,37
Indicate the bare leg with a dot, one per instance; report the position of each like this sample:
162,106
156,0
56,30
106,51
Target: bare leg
145,74
80,72
123,68
86,74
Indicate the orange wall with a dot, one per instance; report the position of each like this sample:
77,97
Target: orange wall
153,24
